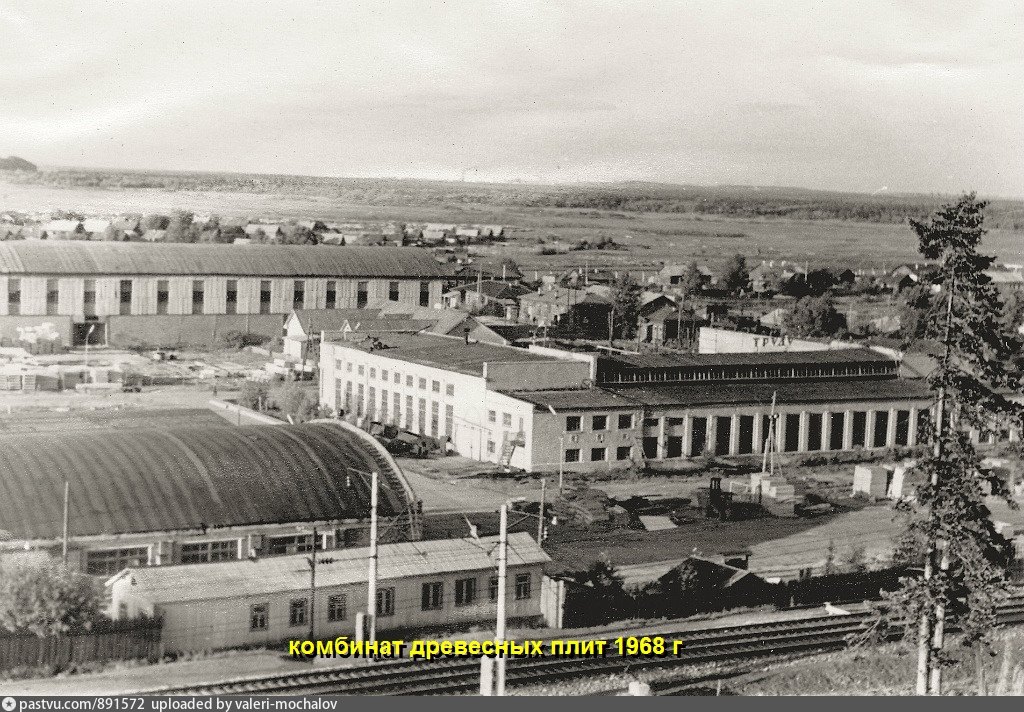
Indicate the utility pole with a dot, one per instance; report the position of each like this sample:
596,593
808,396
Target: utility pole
540,512
371,588
67,502
561,463
499,628
312,589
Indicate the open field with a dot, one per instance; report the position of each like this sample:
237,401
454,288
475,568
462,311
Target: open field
647,238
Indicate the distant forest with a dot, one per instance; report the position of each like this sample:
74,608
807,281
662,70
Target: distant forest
727,201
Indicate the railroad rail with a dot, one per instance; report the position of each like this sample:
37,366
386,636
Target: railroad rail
454,676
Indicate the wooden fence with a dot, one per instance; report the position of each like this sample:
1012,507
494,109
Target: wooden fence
109,640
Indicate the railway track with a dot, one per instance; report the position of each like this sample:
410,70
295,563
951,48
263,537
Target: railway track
456,676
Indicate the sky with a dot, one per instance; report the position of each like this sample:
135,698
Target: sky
924,96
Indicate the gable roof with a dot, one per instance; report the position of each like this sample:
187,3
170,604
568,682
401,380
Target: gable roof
133,258
280,574
148,480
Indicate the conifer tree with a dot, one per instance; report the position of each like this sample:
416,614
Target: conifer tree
965,558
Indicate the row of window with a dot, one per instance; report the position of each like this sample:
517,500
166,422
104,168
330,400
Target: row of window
125,289
388,376
389,409
431,599
599,454
746,372
574,423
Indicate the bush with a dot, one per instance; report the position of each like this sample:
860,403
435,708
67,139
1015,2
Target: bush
47,599
241,339
254,395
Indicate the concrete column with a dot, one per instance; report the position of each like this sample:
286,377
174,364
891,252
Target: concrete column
734,435
758,435
890,433
662,438
869,428
780,431
848,430
912,427
712,432
687,435
826,430
805,426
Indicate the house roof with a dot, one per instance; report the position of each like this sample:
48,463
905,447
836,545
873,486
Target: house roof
148,480
494,289
448,353
107,258
684,360
282,574
313,321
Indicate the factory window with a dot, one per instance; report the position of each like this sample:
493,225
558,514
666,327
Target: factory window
384,375
465,592
625,452
674,422
299,294
124,289
522,586
350,537
408,412
902,427
723,434
435,386
625,421
360,369
398,378
598,454
449,390
860,426
650,445
337,607
408,381
259,616
424,294
362,294
198,296
599,422
791,438
698,436
396,407
297,612
674,446
422,413
373,371
838,425
88,298
359,400
371,406
423,384
435,414
814,431
490,447
492,588
332,294
290,544
881,434
392,291
231,297
432,596
108,562
383,404
52,296
492,416
265,296
163,296
651,422
385,602
205,551
572,455
14,296
506,420
348,396
572,423
449,420
746,435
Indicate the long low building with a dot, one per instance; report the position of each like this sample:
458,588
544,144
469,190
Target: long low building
543,408
190,495
426,584
135,294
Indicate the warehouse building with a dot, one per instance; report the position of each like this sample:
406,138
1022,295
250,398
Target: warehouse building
191,495
544,408
135,294
427,584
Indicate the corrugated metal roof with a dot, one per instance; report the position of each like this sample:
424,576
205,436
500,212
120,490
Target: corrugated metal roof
134,258
282,574
163,480
448,353
829,356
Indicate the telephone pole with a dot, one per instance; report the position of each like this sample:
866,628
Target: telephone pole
540,512
67,503
371,588
312,589
499,628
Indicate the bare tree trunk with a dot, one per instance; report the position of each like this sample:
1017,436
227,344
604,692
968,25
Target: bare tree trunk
1006,669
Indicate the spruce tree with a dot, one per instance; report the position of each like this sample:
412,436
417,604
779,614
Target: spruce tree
965,558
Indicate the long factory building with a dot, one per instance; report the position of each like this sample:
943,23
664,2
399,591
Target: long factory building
138,294
544,408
